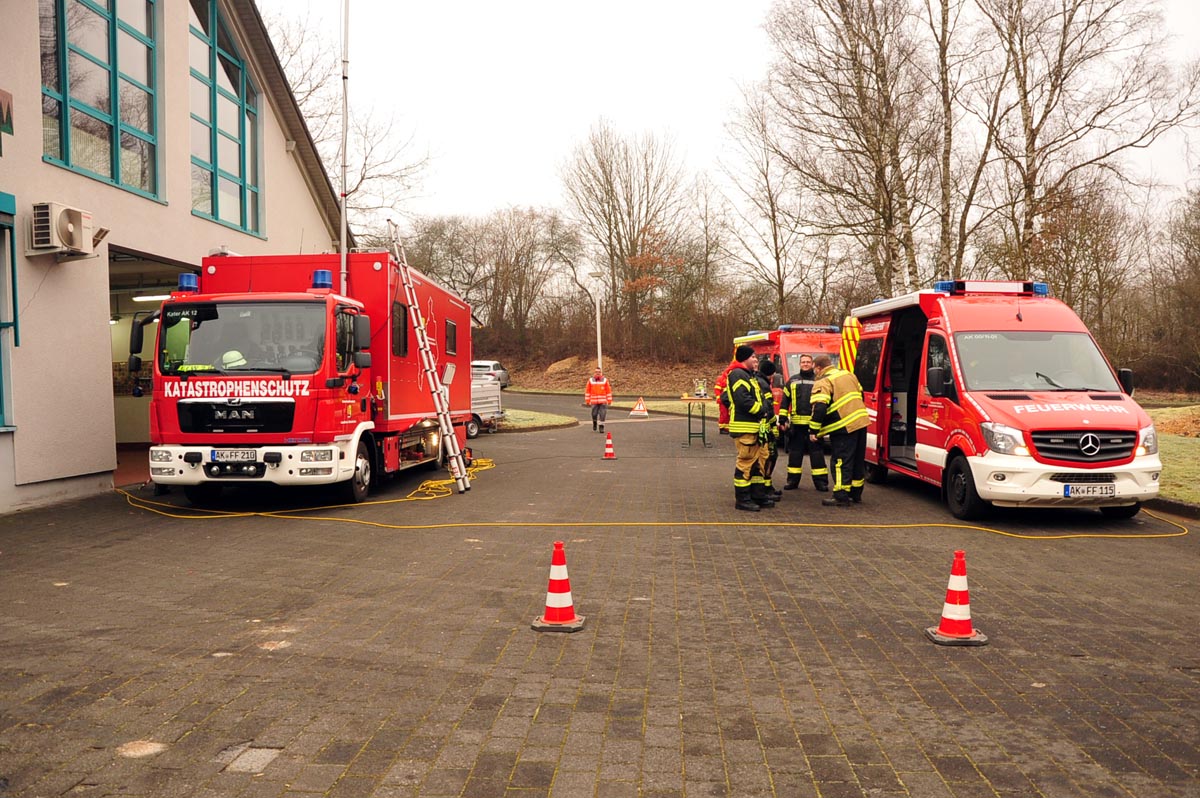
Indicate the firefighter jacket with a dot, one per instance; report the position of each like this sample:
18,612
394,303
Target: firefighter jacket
598,392
837,403
797,399
747,405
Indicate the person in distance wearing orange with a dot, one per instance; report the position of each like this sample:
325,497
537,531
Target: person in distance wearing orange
598,395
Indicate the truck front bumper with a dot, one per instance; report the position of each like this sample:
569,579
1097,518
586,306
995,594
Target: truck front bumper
305,464
1011,481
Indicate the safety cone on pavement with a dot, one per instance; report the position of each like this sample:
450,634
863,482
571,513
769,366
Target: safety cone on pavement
609,454
560,609
955,628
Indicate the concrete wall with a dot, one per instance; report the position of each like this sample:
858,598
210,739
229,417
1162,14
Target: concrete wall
62,409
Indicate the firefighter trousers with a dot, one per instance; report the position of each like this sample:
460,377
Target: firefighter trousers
849,466
799,446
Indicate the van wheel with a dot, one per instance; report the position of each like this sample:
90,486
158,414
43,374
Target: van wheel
202,495
876,473
961,496
1128,511
472,427
359,485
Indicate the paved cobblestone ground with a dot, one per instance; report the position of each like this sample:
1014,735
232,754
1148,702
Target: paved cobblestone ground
385,650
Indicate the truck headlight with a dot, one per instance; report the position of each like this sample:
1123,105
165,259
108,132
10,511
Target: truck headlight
1148,438
164,455
316,455
1004,439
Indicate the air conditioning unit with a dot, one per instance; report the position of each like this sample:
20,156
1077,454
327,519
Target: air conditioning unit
59,229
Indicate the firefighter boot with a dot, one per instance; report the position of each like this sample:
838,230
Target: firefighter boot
821,485
840,498
792,483
773,494
602,428
593,425
742,500
759,495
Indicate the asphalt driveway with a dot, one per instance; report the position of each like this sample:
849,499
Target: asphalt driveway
385,649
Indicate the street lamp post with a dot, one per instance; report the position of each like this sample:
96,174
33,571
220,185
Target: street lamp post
597,275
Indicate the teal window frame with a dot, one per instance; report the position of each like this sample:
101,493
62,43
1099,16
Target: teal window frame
123,134
8,252
242,173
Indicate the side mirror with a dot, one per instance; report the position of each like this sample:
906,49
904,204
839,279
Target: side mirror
362,360
135,342
135,361
1125,377
362,332
935,381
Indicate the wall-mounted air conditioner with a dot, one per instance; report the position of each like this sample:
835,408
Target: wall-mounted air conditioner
59,229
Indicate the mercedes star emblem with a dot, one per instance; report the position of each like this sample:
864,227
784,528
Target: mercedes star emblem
1089,444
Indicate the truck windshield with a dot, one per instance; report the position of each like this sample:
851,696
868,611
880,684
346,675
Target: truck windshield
1033,361
223,337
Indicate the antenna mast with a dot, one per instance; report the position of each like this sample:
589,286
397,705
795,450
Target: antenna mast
345,129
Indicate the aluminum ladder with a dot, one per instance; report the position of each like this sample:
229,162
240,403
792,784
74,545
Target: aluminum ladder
441,400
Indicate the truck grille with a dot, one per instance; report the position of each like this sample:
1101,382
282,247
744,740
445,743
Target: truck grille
1080,479
244,417
1085,446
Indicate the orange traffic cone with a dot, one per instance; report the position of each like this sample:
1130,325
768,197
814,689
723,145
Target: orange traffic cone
560,610
955,628
609,454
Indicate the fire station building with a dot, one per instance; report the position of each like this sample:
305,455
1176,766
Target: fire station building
136,137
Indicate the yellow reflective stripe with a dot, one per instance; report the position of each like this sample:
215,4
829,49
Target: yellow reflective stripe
844,399
842,422
743,427
741,483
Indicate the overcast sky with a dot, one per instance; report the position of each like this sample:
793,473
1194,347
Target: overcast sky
500,92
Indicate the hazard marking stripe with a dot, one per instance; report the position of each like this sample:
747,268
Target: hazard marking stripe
957,597
956,612
558,572
957,583
558,600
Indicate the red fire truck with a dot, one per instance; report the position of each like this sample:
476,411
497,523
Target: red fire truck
264,373
786,344
998,394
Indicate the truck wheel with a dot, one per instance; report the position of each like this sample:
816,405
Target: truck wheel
961,496
472,427
359,485
202,495
876,473
1128,511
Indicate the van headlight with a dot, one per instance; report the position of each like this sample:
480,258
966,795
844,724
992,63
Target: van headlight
1148,441
1004,439
164,455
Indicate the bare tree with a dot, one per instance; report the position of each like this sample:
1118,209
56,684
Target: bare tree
767,236
850,98
1087,83
381,167
628,196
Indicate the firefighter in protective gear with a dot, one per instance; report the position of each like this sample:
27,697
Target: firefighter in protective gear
769,431
838,411
747,411
796,407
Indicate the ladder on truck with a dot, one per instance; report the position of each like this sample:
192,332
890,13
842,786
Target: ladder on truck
441,397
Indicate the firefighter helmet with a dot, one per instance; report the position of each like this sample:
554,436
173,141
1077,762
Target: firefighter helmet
232,359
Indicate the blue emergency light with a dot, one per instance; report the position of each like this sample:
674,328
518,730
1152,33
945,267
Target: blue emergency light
322,278
189,283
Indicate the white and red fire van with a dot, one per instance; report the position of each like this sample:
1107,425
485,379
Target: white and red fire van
786,344
998,394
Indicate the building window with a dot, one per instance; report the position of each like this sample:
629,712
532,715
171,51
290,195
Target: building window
98,89
9,332
451,338
224,124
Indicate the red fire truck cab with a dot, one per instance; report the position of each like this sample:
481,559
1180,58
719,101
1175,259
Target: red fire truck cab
998,394
263,372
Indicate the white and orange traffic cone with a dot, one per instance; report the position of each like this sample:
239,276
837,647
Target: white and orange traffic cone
609,454
560,609
955,628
